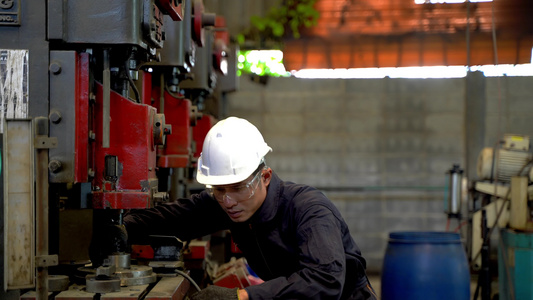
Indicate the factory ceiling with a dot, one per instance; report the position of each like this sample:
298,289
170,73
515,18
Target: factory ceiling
400,33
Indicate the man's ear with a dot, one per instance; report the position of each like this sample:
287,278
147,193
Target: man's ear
267,176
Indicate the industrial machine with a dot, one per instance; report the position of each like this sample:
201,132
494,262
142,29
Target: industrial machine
498,208
103,110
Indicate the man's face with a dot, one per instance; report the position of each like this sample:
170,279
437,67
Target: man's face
241,200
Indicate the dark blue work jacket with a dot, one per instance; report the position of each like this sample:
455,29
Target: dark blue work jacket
297,241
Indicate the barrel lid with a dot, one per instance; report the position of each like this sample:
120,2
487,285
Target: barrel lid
424,237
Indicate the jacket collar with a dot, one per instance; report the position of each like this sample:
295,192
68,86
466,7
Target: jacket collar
268,210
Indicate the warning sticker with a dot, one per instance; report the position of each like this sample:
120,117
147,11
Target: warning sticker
13,85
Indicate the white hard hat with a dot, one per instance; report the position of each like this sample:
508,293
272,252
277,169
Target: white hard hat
232,151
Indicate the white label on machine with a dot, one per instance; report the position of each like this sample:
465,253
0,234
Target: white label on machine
13,85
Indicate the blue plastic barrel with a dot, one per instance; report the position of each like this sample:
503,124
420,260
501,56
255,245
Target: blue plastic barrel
425,265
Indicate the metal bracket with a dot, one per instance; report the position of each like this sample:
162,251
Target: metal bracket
46,260
44,142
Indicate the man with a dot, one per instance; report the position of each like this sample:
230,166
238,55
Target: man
292,236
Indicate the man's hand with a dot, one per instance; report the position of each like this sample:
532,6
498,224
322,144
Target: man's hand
107,240
214,292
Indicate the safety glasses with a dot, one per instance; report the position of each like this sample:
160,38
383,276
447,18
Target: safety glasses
239,191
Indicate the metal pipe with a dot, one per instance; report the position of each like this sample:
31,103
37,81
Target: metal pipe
106,111
162,93
41,207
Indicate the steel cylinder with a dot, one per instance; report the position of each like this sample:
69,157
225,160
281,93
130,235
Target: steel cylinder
455,190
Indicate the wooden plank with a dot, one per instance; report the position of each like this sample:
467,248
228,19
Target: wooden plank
171,288
126,293
75,292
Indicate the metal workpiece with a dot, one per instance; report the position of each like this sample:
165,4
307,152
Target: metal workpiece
105,270
120,261
58,283
94,284
136,275
119,266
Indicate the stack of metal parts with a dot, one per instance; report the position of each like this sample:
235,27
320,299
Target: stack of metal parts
117,271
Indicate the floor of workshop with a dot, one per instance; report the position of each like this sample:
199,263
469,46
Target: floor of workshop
375,280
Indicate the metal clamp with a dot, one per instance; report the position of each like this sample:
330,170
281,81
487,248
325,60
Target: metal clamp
45,142
46,260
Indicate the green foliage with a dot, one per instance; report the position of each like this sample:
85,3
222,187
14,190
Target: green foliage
262,63
283,20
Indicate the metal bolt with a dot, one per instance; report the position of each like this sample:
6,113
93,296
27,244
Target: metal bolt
55,117
54,166
55,68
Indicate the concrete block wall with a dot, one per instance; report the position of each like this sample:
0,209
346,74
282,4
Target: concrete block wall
378,148
509,107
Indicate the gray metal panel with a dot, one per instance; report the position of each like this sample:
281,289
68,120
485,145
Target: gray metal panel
57,12
173,53
31,35
229,82
104,22
204,73
178,50
63,114
19,199
10,13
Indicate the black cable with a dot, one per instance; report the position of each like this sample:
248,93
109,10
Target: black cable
174,95
189,278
